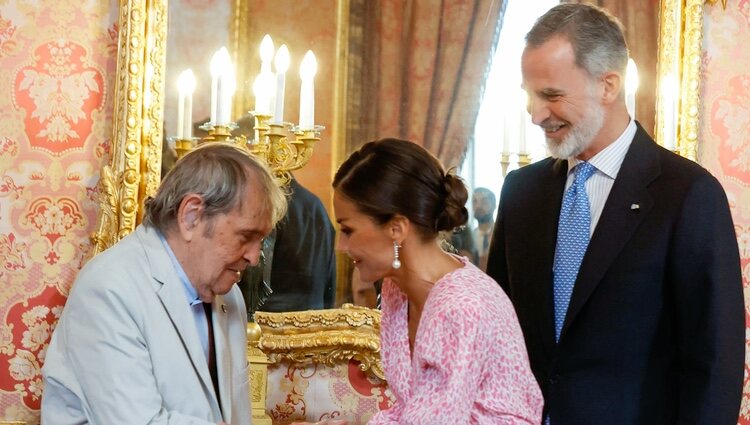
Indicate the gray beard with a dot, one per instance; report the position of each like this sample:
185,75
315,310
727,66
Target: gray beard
580,136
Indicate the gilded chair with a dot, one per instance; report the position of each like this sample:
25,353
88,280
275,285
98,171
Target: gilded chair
322,364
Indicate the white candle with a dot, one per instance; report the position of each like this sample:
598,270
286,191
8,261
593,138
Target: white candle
214,88
218,64
522,123
307,92
282,64
506,136
266,54
229,85
631,86
185,87
222,87
669,112
262,89
266,58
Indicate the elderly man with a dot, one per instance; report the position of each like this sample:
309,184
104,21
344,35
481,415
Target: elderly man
620,257
154,329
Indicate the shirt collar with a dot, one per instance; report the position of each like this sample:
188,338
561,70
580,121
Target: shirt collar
609,160
190,292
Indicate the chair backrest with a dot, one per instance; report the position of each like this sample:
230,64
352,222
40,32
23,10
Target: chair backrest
324,364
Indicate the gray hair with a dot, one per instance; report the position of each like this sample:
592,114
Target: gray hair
219,173
596,36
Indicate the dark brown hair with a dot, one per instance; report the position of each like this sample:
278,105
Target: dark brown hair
390,176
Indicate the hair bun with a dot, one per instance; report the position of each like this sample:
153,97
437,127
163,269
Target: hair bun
454,211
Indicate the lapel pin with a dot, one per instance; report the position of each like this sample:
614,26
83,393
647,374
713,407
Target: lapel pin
224,308
635,207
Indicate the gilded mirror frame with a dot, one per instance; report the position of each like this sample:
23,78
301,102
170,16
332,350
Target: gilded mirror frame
133,172
680,46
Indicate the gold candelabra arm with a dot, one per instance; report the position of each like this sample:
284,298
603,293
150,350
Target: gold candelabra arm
262,127
272,144
306,140
504,162
218,133
183,146
523,159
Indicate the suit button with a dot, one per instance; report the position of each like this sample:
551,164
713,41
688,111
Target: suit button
554,379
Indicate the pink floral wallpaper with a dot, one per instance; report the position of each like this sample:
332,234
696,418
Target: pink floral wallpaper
725,128
58,66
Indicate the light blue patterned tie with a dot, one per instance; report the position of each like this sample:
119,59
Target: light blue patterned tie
572,240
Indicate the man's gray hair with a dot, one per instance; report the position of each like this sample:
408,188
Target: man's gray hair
219,173
596,36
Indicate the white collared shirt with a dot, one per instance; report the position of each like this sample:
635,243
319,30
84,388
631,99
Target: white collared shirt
607,163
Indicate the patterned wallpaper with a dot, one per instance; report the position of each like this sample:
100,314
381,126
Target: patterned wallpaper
58,64
725,135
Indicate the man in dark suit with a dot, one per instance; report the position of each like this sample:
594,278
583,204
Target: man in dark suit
303,264
639,318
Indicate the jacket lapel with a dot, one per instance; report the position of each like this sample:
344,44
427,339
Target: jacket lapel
548,209
627,205
223,366
171,293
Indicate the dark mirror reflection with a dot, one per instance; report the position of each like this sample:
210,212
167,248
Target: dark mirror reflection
299,266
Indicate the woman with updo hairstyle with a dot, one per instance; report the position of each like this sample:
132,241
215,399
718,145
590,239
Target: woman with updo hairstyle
451,345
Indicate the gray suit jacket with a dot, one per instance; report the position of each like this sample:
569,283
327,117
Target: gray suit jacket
126,349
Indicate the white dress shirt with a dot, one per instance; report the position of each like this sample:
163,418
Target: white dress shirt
607,164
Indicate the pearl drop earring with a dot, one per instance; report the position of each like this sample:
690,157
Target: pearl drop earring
396,262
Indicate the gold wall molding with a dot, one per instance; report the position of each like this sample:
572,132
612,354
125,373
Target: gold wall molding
680,46
133,171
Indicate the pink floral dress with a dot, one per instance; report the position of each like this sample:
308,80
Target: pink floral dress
469,364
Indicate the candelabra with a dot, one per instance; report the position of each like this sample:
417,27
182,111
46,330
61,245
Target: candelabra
523,159
504,162
272,144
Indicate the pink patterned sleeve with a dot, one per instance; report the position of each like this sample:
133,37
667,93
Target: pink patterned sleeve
440,385
449,375
469,364
447,372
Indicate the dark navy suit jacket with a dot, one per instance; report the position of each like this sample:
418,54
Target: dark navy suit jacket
655,329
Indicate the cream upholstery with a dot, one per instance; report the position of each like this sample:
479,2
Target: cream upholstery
323,364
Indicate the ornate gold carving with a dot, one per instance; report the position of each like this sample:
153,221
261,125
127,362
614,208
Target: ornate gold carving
135,161
713,2
680,56
690,81
258,375
668,62
105,235
153,100
323,336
